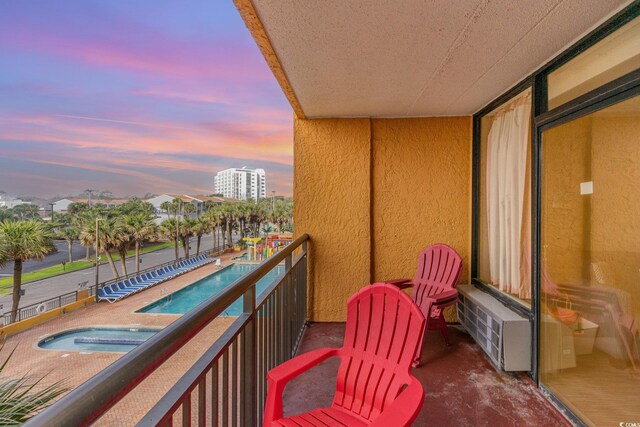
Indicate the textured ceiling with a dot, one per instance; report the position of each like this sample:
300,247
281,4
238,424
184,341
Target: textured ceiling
417,58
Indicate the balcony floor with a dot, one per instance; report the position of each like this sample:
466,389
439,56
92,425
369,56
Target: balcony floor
461,386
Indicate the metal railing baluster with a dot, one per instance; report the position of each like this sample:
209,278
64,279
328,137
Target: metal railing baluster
202,401
214,395
234,382
225,389
186,411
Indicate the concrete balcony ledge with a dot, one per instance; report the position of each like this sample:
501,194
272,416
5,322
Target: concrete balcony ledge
461,386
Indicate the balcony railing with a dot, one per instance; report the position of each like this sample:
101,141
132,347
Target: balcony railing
40,307
227,385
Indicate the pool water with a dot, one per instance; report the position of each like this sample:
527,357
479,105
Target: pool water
186,299
243,257
67,340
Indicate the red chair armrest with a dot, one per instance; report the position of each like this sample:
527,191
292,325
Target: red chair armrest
401,283
445,296
294,367
404,409
279,376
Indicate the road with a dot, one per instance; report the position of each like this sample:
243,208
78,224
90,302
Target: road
58,285
55,258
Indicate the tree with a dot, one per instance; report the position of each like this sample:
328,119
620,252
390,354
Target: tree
169,229
140,227
212,217
166,206
200,227
134,206
65,229
243,212
282,214
266,230
26,211
188,208
228,212
121,240
6,214
86,223
22,398
77,208
257,216
108,230
21,241
186,231
105,195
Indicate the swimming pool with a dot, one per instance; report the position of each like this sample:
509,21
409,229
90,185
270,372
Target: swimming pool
243,257
119,340
184,300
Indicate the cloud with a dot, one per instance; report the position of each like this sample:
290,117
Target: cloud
144,100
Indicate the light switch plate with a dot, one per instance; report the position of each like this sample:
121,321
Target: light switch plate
586,187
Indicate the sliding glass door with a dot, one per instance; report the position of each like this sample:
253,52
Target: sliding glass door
590,264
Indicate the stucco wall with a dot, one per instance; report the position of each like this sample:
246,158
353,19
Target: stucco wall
331,193
566,157
615,204
420,183
421,191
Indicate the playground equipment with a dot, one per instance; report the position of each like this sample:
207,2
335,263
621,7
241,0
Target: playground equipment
260,249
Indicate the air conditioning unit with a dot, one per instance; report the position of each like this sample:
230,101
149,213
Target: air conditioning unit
501,332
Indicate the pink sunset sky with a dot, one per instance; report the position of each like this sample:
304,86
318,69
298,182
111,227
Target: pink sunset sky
135,97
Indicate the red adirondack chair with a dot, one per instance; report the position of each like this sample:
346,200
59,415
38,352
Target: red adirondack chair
384,328
439,268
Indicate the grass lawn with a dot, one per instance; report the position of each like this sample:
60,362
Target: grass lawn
7,282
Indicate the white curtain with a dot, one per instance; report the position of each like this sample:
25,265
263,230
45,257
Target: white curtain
506,168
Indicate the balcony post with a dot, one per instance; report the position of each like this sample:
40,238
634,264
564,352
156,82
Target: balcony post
249,360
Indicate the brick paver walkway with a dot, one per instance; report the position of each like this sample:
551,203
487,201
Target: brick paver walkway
77,367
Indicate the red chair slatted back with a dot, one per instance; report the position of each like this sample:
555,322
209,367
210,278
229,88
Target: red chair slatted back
384,328
439,268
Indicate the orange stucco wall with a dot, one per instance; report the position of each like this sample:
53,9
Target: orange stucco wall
331,193
615,205
372,194
565,213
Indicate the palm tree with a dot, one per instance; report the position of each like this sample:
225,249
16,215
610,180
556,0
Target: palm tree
21,241
186,231
266,230
109,238
64,229
121,240
212,216
85,220
282,214
200,227
188,208
140,227
6,214
228,211
166,206
241,214
68,233
86,226
168,228
258,216
22,398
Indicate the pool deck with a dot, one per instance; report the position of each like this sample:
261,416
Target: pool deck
77,367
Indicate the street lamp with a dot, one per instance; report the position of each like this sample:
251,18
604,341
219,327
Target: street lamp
51,204
97,253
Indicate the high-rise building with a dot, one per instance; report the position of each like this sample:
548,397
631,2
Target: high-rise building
241,183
